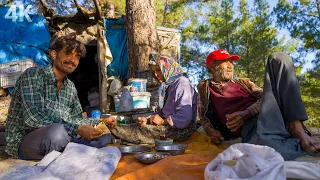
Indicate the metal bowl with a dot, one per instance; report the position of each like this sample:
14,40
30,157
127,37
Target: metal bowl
175,149
133,150
160,142
148,158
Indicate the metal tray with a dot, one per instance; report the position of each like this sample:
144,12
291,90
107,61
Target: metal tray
147,158
133,150
175,149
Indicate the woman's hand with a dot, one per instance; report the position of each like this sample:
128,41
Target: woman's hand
142,121
157,120
110,122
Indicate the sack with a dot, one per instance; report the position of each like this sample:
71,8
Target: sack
115,86
93,99
254,162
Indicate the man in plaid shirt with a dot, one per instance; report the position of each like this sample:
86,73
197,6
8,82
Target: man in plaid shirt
45,113
273,116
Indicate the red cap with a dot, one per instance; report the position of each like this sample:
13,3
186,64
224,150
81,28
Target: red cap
220,55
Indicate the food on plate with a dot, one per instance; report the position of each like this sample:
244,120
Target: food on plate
157,156
103,128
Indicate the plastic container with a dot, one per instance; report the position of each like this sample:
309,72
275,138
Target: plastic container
121,119
126,101
10,72
136,116
105,115
137,84
116,102
141,99
96,114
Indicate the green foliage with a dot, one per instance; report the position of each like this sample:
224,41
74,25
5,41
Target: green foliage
120,6
302,19
310,90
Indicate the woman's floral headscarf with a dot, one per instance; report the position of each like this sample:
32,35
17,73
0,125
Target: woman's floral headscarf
170,69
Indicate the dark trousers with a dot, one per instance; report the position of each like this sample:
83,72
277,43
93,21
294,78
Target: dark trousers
42,141
281,103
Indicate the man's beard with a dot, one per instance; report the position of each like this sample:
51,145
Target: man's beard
62,67
220,73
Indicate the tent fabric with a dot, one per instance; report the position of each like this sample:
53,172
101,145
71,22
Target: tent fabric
24,40
117,40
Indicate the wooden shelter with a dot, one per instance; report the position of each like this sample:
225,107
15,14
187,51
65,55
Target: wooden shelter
89,28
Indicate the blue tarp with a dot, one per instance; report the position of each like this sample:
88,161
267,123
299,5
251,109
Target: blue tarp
117,40
23,40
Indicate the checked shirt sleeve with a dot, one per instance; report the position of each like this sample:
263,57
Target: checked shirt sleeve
37,111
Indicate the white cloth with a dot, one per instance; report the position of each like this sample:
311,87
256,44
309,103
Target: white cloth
76,162
93,99
254,162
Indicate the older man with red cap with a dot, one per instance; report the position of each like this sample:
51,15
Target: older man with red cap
235,107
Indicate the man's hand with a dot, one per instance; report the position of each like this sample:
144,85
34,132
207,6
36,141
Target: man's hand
88,132
142,121
215,135
110,122
157,120
237,119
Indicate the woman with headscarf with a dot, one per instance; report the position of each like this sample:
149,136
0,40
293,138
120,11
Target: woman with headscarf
177,103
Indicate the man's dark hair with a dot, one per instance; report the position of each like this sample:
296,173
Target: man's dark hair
68,43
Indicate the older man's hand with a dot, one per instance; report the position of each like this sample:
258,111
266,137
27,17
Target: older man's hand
157,120
215,135
237,119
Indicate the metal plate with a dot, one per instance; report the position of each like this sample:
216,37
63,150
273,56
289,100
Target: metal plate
149,158
175,149
132,150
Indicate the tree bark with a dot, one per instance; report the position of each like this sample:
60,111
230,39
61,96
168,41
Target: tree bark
141,33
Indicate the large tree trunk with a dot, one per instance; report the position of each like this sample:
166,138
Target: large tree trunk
141,33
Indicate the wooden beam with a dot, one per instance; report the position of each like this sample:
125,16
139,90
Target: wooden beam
47,10
98,10
103,85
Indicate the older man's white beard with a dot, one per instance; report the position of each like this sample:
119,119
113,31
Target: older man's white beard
220,73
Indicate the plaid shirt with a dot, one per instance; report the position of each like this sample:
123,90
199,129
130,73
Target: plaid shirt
36,103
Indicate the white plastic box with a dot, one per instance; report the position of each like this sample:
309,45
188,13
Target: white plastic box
10,72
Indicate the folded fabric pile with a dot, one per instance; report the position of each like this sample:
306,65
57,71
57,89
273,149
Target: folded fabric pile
254,162
76,162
